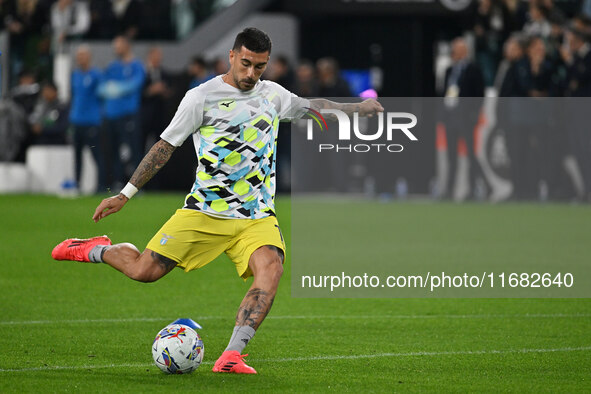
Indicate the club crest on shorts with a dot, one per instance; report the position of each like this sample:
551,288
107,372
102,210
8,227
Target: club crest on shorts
165,239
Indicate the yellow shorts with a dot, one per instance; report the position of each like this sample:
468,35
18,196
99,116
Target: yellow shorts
193,239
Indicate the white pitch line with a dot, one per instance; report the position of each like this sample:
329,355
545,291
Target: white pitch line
75,367
295,317
421,354
469,316
321,358
85,321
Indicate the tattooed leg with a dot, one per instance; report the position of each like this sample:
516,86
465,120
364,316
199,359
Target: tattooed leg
254,308
145,267
267,268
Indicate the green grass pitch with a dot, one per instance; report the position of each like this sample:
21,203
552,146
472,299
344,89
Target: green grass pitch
69,326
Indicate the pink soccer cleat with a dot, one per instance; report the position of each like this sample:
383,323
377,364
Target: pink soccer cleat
232,362
77,249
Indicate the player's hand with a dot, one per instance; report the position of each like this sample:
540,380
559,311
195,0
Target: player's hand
108,206
370,107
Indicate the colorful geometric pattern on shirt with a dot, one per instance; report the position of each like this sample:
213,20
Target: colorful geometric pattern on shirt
236,156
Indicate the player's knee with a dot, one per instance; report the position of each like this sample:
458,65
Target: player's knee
129,251
267,264
277,267
273,269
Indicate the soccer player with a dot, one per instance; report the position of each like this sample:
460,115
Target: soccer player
233,119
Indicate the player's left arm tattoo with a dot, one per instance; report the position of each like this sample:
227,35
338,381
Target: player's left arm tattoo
254,308
154,160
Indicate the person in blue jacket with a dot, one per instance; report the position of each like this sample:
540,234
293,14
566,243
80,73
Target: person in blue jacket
85,114
121,89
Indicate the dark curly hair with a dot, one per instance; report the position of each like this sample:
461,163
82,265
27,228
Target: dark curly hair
253,39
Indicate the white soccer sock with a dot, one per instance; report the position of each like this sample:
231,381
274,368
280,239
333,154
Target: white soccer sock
96,254
240,338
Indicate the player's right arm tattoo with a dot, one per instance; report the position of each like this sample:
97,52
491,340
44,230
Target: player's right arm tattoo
254,308
154,160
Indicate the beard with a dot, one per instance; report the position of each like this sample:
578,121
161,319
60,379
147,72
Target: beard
244,84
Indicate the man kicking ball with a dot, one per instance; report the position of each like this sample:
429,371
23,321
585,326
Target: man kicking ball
234,120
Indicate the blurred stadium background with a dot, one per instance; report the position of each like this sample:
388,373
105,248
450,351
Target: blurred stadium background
70,327
333,48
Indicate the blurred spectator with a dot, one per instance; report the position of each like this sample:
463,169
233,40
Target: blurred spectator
554,45
220,66
336,168
26,92
122,90
49,120
85,115
330,82
13,125
143,19
12,130
544,151
25,96
550,11
492,25
512,79
540,68
306,84
280,71
183,17
127,15
29,41
577,55
156,91
582,22
463,79
198,72
527,128
509,71
537,24
69,19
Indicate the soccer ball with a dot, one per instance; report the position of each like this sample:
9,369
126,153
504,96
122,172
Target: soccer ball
177,349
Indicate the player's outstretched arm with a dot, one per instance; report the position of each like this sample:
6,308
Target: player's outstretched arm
368,107
154,160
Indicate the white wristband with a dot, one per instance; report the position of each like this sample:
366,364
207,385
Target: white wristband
129,190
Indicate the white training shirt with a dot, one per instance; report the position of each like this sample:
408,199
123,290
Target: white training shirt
235,137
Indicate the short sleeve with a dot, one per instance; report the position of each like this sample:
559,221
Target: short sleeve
187,119
292,106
